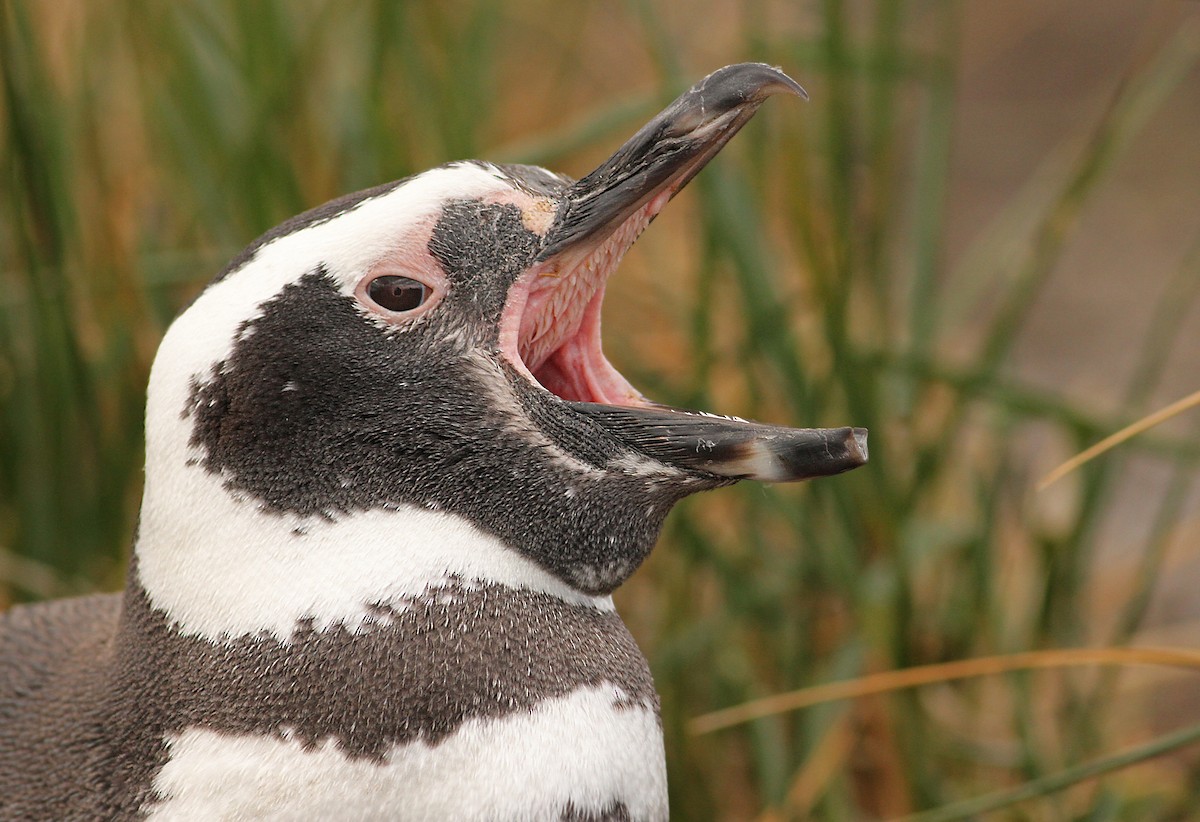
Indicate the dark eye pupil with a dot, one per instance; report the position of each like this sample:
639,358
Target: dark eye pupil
397,293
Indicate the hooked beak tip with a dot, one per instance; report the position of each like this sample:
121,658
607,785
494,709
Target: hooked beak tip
665,153
735,86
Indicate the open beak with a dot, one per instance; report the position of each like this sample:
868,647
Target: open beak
598,218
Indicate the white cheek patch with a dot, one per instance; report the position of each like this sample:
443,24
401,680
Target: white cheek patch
220,567
578,750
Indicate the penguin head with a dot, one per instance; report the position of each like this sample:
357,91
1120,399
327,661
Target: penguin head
434,344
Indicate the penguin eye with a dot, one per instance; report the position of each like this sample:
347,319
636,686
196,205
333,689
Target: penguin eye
397,293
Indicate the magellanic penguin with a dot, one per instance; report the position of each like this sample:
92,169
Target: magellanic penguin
391,483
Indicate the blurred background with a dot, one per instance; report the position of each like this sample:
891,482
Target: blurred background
980,239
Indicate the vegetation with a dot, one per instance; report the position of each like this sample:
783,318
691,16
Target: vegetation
799,280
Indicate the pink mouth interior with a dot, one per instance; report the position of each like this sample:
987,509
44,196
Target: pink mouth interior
550,330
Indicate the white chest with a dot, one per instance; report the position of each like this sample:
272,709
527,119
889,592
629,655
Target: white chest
588,751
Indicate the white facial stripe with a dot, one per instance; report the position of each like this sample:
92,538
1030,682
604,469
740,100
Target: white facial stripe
577,749
348,245
220,567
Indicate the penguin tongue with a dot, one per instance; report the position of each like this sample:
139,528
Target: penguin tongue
551,327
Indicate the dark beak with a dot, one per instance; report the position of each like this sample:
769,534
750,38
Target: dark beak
665,153
730,447
656,163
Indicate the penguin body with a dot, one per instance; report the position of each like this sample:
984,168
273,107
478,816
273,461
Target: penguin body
391,483
308,728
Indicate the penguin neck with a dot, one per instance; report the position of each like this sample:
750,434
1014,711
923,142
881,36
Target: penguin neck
220,566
